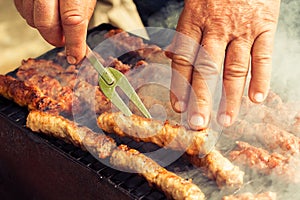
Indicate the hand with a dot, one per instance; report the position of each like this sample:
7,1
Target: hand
60,23
231,32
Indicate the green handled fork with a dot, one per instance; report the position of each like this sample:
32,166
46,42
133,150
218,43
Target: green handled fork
109,79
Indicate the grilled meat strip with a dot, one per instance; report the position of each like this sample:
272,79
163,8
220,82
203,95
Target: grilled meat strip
251,196
173,185
60,127
41,67
28,95
286,168
219,168
121,157
128,43
268,135
162,134
91,98
283,115
65,85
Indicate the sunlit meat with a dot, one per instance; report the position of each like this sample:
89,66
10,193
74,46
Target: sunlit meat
219,168
160,133
284,167
60,127
251,196
28,95
283,115
41,67
91,98
173,185
121,157
268,135
127,43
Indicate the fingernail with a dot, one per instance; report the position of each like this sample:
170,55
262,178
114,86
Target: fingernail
71,60
225,119
197,120
259,97
180,106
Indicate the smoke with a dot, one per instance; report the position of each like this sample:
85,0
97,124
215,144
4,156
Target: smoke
285,82
286,57
168,16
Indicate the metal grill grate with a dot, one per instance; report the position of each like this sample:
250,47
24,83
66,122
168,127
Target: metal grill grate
132,185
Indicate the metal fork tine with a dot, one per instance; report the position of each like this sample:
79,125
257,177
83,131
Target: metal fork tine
119,103
109,79
125,86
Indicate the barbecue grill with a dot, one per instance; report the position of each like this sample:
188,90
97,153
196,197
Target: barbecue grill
36,166
40,167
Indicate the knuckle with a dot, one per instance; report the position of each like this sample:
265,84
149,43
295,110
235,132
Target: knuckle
261,59
235,70
206,68
72,18
41,25
182,60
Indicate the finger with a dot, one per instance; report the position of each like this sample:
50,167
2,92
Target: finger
184,49
261,67
19,6
75,15
27,11
47,21
234,78
205,78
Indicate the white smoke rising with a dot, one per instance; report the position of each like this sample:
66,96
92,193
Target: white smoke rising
286,57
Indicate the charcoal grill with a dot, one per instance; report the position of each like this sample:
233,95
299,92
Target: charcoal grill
34,166
39,167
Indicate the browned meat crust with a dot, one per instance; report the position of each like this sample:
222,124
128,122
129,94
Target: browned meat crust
91,98
60,127
274,111
261,160
65,86
219,168
251,196
268,135
163,134
121,157
127,43
32,67
170,183
28,95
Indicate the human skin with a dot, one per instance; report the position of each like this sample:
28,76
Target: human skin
230,32
61,23
234,34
